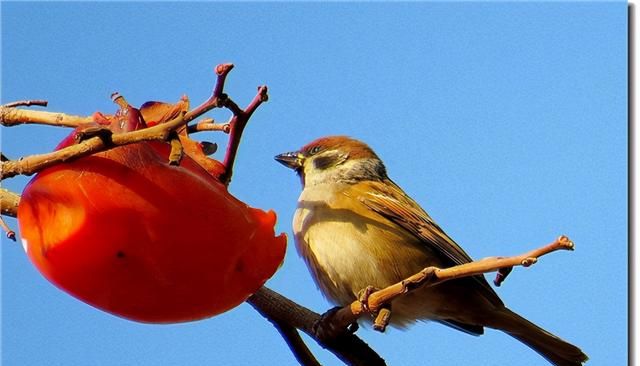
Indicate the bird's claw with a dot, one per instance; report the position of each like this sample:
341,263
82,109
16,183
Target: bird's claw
363,297
326,330
381,316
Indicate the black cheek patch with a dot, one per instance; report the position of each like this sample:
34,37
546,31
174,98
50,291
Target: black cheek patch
324,162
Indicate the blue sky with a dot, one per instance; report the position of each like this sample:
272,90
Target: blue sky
506,121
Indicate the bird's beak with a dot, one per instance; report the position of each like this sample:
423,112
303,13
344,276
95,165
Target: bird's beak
293,160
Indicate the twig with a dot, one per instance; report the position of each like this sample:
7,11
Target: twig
10,233
177,151
27,103
8,206
217,98
238,123
208,124
9,202
10,116
501,275
34,163
431,276
295,343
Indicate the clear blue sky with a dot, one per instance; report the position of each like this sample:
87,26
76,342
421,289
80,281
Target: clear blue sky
506,121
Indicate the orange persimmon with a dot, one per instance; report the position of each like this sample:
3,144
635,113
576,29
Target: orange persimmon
134,236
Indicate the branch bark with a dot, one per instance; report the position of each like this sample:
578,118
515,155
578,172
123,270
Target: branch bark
297,346
35,163
208,124
347,347
9,202
27,103
11,116
237,125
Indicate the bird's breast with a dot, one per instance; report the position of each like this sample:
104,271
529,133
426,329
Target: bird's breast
347,248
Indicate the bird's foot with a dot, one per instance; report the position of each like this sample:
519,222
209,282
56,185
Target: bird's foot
382,316
327,329
363,297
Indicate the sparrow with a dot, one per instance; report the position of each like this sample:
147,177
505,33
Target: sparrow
355,228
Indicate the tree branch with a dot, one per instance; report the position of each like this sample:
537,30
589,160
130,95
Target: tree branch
295,343
432,276
9,207
9,202
8,232
208,124
238,122
217,98
27,103
347,347
11,116
35,163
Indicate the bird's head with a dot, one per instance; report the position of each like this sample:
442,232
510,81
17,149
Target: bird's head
334,159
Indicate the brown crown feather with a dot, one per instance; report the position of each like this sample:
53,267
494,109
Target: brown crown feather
356,149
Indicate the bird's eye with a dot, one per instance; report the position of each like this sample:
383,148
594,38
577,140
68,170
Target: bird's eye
314,150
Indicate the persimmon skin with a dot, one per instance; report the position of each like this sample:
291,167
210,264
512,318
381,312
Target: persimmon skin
134,236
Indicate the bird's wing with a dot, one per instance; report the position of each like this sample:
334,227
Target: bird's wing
388,200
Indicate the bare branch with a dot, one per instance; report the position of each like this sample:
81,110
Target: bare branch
27,103
295,343
9,233
348,347
431,276
217,98
10,116
9,202
238,123
501,275
177,151
208,124
9,206
34,163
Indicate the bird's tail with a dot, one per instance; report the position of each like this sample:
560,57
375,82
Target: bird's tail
554,349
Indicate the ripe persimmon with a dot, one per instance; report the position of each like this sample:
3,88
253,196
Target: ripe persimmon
126,232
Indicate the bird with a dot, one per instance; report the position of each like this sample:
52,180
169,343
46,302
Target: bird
355,228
